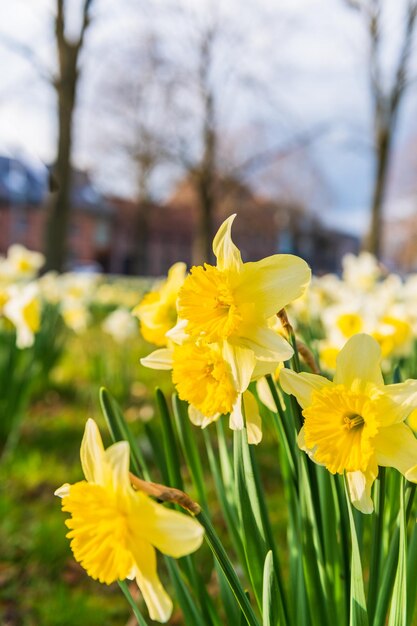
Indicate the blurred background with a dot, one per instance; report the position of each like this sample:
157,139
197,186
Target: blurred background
129,130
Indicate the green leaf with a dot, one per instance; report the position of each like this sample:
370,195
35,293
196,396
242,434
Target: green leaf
411,577
228,507
256,532
221,556
189,448
358,610
120,431
377,542
191,613
171,450
270,609
390,563
398,612
252,531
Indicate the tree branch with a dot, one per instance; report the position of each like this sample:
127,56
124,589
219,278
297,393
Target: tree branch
27,52
403,62
266,157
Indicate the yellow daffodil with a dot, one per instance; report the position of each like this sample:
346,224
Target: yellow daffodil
233,301
157,311
114,529
204,376
356,423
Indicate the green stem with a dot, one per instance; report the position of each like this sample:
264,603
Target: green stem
227,568
378,527
286,429
123,586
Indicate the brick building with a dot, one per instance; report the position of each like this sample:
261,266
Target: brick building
103,232
23,210
263,227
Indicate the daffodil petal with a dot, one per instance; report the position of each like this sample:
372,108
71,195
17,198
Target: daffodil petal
311,452
178,333
404,394
158,602
273,282
117,457
158,359
242,362
227,254
195,416
267,345
175,278
301,385
171,532
359,486
236,416
265,395
301,440
252,417
359,362
92,454
396,446
63,490
262,368
199,419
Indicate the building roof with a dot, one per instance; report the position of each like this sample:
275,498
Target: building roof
20,183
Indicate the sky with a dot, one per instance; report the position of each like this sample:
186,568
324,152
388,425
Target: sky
312,53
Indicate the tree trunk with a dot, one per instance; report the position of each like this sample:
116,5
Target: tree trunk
60,205
140,259
56,229
374,239
202,251
205,186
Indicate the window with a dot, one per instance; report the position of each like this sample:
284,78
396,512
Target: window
102,233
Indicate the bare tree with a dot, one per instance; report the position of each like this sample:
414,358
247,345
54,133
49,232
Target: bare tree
203,172
135,120
387,97
66,84
176,107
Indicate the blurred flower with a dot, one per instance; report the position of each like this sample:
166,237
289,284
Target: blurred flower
114,529
361,271
50,286
157,311
394,336
356,423
23,309
75,314
78,286
120,325
4,297
23,263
